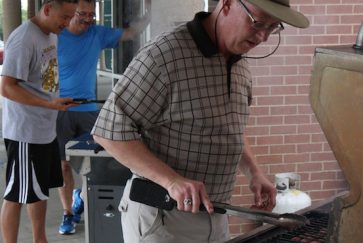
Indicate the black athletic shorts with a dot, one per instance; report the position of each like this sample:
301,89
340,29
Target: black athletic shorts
31,170
72,124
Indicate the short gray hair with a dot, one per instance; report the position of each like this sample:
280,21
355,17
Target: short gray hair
60,1
89,1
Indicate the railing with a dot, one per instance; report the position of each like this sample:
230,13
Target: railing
105,81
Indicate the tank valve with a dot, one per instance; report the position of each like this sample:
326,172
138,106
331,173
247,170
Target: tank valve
359,43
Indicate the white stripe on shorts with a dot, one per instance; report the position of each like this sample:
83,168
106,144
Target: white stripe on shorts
36,186
11,182
23,172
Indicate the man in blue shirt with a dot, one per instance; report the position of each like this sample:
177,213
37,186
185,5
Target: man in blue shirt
78,52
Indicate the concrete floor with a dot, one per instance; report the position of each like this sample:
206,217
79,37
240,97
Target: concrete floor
54,213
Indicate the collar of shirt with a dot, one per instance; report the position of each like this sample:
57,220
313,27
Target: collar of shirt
200,36
202,39
206,45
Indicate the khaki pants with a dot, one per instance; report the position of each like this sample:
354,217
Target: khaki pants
142,223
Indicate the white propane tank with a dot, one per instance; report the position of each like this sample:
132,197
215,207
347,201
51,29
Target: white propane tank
289,199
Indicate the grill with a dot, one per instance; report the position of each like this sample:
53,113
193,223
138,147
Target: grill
314,232
336,95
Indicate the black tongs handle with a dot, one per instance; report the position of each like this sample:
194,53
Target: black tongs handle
86,101
152,194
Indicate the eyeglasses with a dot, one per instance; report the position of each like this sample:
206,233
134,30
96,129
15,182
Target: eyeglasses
259,26
84,15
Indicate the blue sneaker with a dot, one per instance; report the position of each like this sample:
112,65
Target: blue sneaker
76,218
77,205
67,227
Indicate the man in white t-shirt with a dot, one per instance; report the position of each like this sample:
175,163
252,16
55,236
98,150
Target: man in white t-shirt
29,86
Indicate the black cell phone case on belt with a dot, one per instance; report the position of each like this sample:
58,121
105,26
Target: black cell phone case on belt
151,194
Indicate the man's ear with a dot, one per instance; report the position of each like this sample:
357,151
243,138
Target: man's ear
226,6
47,8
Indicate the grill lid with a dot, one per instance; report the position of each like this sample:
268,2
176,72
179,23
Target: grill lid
336,95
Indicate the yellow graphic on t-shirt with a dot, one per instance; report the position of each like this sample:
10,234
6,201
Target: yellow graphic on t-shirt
50,76
49,69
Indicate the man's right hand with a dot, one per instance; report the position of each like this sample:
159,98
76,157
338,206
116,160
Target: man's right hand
62,104
189,194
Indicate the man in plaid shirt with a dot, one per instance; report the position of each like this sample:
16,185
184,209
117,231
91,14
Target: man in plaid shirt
177,117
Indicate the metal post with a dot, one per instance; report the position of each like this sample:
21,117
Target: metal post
11,15
31,8
359,43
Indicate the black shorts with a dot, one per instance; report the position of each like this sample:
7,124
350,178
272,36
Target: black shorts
31,170
72,124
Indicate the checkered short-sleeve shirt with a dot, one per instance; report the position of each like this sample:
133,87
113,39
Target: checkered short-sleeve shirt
174,96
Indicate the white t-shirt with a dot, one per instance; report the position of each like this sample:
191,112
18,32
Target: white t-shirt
31,58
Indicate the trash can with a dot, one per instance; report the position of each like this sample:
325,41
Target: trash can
105,185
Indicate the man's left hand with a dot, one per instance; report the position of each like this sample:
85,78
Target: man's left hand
265,192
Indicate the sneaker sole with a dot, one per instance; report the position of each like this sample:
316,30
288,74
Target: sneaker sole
67,233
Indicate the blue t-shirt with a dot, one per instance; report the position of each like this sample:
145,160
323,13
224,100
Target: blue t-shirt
78,56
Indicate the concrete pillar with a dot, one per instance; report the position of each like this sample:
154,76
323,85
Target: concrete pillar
31,8
166,14
11,15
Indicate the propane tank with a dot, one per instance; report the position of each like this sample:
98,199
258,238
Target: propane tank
289,199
